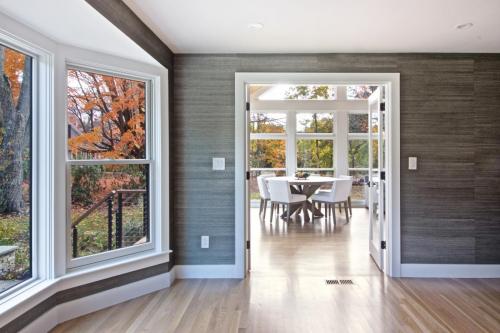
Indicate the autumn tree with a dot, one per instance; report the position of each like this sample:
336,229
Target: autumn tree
106,116
15,107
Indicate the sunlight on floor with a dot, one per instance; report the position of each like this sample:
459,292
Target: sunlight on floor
311,249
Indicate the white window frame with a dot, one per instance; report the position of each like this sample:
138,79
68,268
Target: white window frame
356,136
151,159
317,136
41,162
290,136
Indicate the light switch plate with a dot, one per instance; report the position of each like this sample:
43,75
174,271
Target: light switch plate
205,242
218,163
412,163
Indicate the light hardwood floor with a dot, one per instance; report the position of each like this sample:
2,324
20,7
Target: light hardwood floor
286,292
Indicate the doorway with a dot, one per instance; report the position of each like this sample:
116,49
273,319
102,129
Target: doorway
294,131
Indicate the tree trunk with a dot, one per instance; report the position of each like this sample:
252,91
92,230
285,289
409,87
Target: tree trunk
15,123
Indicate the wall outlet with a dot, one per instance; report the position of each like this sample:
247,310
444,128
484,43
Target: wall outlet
218,163
205,242
412,163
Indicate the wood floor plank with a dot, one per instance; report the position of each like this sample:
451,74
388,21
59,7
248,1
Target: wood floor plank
286,292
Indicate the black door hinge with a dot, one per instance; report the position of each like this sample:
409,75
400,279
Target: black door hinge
248,175
382,175
382,106
383,245
247,106
248,245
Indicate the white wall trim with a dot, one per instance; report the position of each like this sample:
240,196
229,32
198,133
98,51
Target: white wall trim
79,307
450,271
207,272
391,80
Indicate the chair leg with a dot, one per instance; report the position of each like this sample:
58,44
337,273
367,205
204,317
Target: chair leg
304,207
326,209
350,204
334,216
287,212
264,209
260,207
272,209
278,210
346,212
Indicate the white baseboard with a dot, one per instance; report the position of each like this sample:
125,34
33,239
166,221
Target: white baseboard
450,271
85,305
207,272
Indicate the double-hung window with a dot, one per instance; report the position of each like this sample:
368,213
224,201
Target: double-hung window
315,142
268,142
109,165
16,186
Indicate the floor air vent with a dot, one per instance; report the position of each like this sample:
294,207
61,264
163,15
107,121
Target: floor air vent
340,282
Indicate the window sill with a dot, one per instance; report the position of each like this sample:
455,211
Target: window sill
24,299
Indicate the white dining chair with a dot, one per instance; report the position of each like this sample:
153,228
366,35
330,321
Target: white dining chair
348,198
339,194
282,195
265,196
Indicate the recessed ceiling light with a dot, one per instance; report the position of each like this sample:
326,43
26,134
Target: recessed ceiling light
255,26
464,26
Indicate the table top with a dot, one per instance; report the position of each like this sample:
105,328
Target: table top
309,181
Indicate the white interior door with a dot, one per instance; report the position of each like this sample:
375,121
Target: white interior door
376,174
248,257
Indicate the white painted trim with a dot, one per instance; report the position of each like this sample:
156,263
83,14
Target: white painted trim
207,272
450,271
391,80
82,306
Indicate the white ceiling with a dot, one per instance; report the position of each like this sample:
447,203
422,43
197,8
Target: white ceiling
294,26
76,23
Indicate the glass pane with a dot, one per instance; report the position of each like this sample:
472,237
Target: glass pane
374,122
358,123
360,92
15,167
109,207
359,187
267,122
358,154
106,116
302,92
314,123
314,153
254,188
267,153
375,153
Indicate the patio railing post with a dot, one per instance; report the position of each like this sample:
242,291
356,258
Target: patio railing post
110,221
119,221
75,242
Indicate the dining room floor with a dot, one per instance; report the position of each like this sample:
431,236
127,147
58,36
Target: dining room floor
317,249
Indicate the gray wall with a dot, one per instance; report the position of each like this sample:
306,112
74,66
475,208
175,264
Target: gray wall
450,119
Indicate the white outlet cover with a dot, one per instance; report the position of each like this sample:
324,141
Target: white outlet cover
218,163
412,163
205,242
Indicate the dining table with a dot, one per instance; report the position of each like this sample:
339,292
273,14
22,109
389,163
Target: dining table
308,187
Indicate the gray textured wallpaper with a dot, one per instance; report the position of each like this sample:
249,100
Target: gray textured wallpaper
450,120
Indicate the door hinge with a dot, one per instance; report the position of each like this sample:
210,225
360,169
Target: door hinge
382,106
382,175
383,245
247,106
248,245
248,175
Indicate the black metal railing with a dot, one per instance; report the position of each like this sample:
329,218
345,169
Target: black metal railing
114,214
